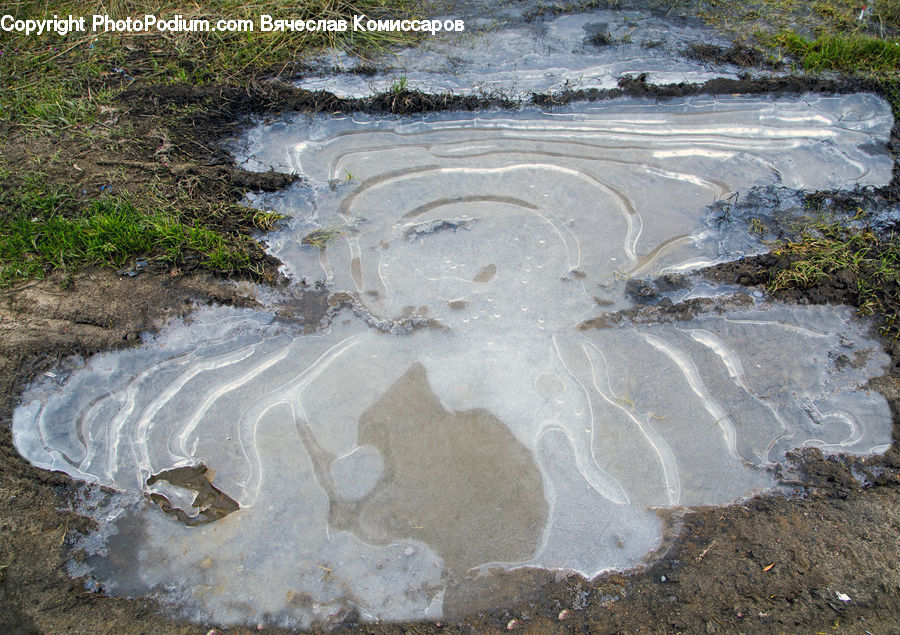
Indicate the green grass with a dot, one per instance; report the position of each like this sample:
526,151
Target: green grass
59,81
399,85
44,231
825,249
65,88
823,34
887,12
267,221
848,53
890,90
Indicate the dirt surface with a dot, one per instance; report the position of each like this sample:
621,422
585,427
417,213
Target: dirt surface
822,558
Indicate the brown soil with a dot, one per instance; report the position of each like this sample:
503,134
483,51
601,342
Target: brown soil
774,564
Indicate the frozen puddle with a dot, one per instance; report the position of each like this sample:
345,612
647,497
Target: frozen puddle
505,52
452,418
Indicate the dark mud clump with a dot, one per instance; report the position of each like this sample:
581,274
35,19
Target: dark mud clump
638,86
838,288
649,291
599,36
665,310
654,304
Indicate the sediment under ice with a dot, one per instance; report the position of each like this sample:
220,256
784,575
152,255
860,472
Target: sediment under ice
474,426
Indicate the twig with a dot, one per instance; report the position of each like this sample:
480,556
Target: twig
700,557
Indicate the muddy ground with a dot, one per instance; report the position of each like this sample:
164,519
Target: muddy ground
776,563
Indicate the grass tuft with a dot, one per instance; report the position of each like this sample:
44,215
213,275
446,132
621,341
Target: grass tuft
871,266
399,85
846,53
267,221
887,12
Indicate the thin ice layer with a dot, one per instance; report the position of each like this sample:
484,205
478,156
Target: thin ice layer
376,471
529,216
501,52
437,460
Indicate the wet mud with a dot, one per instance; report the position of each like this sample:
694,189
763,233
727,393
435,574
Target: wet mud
737,54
